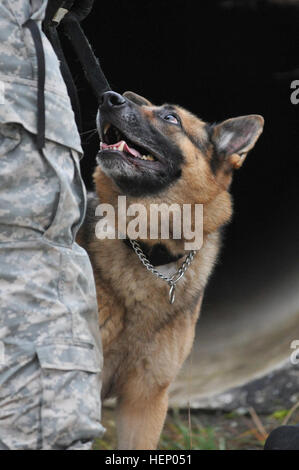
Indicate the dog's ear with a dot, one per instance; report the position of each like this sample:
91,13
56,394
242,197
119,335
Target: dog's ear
137,99
235,137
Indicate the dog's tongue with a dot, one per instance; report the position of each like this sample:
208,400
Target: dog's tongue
121,146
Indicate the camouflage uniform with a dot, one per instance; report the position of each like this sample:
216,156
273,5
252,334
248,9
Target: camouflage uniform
50,350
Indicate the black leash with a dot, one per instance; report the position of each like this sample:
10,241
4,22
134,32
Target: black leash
69,14
89,62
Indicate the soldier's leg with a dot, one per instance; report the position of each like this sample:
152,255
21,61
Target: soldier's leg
50,367
45,406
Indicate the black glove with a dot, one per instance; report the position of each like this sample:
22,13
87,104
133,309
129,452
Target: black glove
78,9
52,7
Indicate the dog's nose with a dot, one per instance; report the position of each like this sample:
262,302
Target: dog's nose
110,99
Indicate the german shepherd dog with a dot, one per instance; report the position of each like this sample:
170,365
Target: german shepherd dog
156,154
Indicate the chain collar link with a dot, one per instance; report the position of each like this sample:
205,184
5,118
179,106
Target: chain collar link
171,280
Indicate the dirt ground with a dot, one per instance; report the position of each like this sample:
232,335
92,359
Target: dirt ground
203,430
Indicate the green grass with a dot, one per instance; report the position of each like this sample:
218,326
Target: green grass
280,414
178,435
207,431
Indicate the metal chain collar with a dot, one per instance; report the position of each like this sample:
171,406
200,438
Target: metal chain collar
172,280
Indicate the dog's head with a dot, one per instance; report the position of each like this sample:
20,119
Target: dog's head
168,153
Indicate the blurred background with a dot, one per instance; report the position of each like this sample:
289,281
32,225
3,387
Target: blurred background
220,60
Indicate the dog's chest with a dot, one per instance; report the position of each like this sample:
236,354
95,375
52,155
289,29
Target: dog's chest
143,349
141,331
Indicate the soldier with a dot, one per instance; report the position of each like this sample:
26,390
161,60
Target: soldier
50,349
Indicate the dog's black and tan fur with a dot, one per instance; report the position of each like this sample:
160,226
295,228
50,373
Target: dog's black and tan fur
145,338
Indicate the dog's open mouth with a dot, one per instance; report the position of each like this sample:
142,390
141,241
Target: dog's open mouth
114,140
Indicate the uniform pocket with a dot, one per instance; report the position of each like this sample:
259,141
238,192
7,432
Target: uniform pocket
71,403
68,357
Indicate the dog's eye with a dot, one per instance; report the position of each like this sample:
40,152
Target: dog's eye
171,118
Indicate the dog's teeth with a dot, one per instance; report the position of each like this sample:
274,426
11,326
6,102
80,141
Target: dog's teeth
106,127
101,145
147,157
121,147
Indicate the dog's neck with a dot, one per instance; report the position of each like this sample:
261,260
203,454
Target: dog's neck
158,254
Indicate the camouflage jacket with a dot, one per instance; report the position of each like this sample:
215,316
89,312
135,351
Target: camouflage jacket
18,75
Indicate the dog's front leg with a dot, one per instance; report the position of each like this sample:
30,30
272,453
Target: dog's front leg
140,421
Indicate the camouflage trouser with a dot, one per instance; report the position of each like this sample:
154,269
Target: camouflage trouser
50,351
